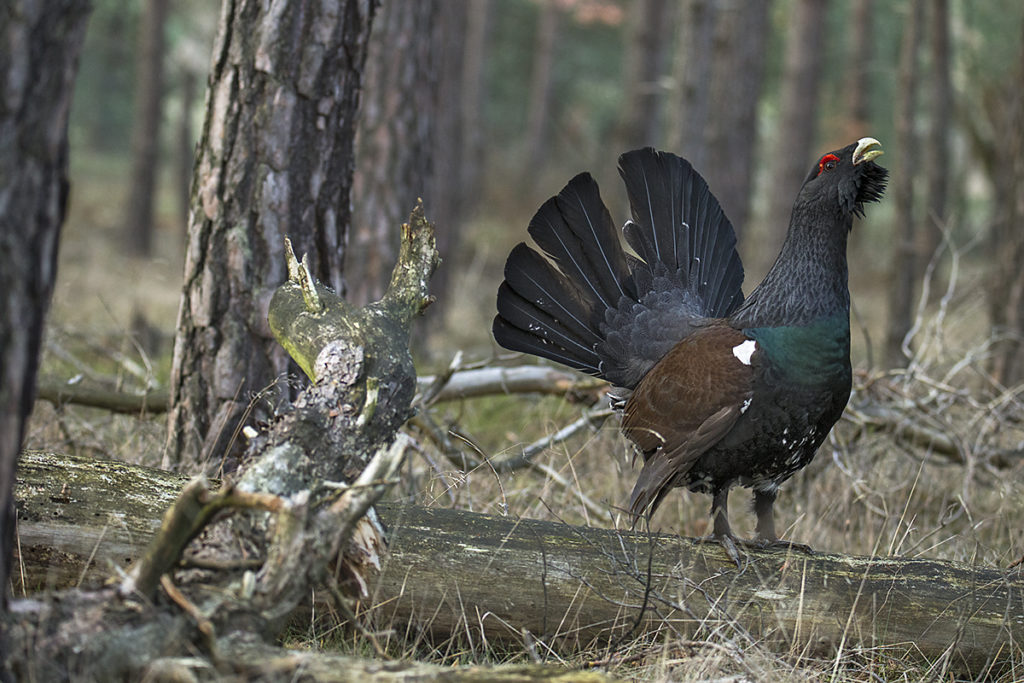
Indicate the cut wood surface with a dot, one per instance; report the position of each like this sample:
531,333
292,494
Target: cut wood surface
497,578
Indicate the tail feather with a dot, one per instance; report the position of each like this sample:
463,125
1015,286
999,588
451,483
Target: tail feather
597,309
679,224
531,277
576,230
522,327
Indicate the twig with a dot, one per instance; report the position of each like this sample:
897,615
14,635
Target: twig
204,625
189,514
590,418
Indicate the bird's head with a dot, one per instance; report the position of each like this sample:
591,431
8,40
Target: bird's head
847,178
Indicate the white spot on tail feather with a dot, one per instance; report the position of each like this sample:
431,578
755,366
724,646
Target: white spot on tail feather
744,351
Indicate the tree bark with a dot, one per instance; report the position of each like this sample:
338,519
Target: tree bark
901,289
449,200
741,37
149,96
474,95
542,79
185,146
397,124
39,46
858,81
793,150
496,578
1000,151
938,148
691,72
275,158
644,67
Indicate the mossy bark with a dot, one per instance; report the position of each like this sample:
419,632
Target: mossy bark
297,516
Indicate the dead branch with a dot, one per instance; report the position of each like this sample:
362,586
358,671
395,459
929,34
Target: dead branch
458,385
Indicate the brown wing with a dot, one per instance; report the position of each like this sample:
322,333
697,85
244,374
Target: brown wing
685,405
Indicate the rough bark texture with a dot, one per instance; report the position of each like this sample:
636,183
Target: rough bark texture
901,288
396,129
148,115
275,159
490,578
39,45
795,137
299,512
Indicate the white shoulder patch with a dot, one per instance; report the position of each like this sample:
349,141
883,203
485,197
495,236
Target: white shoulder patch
744,351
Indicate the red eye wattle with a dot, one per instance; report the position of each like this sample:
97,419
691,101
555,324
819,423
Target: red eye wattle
827,163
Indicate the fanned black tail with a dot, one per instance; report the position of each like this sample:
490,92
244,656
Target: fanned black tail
594,308
556,313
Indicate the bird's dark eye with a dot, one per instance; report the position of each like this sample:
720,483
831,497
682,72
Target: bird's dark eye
827,163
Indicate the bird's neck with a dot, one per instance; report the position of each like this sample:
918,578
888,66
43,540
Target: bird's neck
809,280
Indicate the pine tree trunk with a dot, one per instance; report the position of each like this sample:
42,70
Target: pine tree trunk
1002,155
397,123
741,36
858,69
39,46
149,96
185,146
645,64
541,79
275,159
938,148
794,140
901,290
475,55
689,116
447,200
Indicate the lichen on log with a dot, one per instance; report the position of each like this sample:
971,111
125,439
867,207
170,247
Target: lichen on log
572,587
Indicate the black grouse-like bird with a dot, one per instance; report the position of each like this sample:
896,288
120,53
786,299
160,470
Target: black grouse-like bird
718,390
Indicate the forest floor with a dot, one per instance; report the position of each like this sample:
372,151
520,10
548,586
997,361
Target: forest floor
877,487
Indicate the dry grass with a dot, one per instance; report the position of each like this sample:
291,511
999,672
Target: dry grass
870,490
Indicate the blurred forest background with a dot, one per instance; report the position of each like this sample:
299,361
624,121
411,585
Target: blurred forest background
487,107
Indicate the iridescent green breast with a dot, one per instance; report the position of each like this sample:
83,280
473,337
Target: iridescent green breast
813,354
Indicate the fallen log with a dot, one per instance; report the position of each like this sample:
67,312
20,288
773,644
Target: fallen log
494,579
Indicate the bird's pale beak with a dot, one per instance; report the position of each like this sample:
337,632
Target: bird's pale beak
867,149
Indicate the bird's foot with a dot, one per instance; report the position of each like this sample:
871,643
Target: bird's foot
730,544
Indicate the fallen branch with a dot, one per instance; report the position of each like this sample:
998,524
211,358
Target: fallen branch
461,384
60,393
